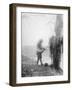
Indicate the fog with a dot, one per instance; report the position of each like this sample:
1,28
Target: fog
37,26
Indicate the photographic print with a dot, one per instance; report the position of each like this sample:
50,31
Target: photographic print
39,44
42,44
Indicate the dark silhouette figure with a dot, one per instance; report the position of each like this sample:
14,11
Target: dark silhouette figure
56,47
40,50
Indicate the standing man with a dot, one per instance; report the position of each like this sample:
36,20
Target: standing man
40,50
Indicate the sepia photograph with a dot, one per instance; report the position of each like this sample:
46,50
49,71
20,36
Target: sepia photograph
41,44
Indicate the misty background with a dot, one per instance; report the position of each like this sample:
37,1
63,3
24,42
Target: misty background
35,27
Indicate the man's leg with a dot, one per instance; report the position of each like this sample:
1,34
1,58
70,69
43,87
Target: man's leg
37,60
41,61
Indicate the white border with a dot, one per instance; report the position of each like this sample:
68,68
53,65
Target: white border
20,79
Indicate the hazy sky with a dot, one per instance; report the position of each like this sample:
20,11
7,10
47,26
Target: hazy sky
37,26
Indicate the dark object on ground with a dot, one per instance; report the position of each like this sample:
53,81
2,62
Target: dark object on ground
52,66
46,64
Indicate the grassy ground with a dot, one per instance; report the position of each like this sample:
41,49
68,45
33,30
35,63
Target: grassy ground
38,70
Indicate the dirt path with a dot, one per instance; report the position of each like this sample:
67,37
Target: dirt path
37,70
